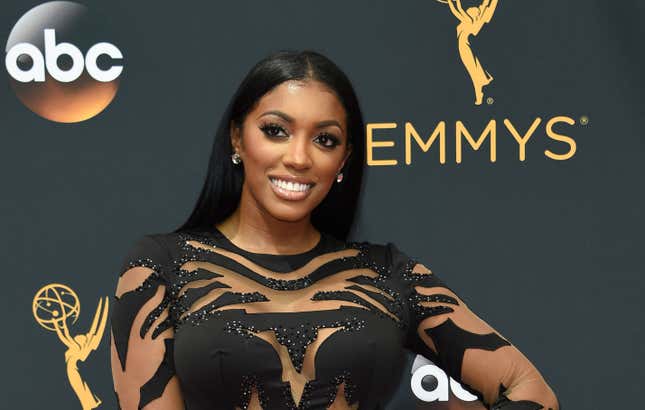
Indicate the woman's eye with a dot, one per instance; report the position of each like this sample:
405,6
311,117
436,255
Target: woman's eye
328,140
273,130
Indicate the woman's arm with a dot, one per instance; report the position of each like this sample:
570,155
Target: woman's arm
471,351
142,340
478,355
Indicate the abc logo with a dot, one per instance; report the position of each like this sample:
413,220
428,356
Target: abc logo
59,64
440,385
52,52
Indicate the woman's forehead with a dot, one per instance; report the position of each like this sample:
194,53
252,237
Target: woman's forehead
302,100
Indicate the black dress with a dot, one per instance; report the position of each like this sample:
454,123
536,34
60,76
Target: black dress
322,329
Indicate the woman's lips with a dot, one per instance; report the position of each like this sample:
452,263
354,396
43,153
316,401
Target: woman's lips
286,194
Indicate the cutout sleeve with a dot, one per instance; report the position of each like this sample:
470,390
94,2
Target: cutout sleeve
142,331
443,329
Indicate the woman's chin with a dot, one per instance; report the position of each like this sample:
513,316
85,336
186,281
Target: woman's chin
290,212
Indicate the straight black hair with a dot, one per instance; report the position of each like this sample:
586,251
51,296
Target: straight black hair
222,189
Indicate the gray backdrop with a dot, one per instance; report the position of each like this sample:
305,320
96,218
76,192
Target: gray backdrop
543,250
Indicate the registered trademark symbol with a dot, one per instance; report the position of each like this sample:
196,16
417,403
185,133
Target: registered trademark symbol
584,120
490,100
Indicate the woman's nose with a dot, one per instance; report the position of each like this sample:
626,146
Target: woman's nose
297,155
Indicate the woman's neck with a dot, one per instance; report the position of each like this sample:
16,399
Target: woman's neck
259,233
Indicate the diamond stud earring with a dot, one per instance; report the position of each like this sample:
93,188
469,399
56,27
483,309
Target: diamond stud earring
236,158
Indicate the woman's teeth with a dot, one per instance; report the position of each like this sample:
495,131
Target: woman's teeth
290,186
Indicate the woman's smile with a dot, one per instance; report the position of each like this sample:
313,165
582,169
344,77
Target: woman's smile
293,144
290,191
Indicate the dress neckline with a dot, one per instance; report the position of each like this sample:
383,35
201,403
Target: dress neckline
267,256
274,262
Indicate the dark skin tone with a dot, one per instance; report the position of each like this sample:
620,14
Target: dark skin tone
297,129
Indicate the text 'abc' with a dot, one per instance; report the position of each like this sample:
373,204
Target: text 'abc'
52,52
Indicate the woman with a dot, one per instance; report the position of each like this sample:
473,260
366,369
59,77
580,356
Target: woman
258,301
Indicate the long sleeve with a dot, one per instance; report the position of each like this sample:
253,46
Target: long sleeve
142,333
443,329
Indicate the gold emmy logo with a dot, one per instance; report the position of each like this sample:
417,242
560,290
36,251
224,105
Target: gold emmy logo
54,306
471,22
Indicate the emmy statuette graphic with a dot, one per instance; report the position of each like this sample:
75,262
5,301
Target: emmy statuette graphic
471,22
54,307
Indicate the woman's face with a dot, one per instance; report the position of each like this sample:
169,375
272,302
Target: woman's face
292,145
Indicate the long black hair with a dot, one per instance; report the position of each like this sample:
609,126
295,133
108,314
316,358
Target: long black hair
222,188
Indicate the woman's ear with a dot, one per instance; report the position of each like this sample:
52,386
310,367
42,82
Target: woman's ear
347,154
236,138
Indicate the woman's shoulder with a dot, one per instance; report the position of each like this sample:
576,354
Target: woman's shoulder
378,247
153,250
153,243
384,253
169,241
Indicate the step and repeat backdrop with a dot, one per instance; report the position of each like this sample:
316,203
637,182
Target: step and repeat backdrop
504,147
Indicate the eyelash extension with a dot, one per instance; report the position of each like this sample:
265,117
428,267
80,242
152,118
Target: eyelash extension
266,127
273,126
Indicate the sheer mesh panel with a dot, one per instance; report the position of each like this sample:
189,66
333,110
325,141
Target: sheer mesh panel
142,338
467,347
223,280
295,291
368,300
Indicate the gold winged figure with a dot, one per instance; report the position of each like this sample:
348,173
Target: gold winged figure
471,22
53,306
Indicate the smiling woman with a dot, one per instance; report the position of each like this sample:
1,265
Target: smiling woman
259,301
293,145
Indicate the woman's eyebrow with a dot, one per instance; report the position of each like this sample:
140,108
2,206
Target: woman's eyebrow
290,119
